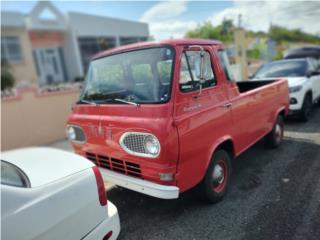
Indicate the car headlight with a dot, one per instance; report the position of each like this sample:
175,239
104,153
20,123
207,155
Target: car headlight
152,145
75,134
140,144
295,89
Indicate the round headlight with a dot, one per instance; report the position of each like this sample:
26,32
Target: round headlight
152,145
71,133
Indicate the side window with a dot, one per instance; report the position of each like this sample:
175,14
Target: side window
224,61
190,71
11,49
13,176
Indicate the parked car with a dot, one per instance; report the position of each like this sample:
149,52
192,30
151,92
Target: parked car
304,82
52,194
312,52
162,117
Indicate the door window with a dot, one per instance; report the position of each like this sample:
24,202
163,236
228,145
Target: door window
224,61
190,71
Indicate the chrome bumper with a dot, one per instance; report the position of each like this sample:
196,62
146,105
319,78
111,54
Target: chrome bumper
139,185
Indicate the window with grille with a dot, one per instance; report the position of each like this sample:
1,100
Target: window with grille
11,49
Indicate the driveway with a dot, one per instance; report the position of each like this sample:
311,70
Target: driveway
274,194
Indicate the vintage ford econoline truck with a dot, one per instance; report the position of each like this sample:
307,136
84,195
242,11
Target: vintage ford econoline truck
162,117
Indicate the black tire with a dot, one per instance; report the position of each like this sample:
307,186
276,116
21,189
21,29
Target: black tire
306,108
275,137
213,190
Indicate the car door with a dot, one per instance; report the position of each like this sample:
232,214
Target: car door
315,79
201,116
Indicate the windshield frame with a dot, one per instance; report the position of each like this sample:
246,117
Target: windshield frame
171,47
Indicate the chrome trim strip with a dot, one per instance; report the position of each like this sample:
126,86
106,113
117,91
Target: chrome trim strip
123,136
139,185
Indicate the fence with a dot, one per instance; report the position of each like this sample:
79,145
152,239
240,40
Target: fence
33,118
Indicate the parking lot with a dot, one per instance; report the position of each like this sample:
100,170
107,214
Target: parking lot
274,194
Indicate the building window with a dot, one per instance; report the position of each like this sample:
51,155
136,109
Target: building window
11,49
92,45
129,40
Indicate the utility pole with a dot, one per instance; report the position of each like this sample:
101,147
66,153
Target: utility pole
239,20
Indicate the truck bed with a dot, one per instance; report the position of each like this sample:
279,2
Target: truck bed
250,85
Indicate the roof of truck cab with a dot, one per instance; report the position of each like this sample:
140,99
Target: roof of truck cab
171,42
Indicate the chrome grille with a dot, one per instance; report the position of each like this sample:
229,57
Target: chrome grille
135,142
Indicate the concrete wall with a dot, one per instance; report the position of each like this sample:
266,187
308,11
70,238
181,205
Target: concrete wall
35,119
23,71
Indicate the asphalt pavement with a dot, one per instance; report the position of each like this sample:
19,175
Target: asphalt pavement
274,194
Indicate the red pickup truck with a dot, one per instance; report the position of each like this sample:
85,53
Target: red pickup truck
163,117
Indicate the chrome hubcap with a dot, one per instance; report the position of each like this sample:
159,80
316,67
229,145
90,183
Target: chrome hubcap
278,132
218,174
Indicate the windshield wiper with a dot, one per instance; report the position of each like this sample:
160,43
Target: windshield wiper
88,102
127,102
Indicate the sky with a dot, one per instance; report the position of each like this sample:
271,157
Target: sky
168,19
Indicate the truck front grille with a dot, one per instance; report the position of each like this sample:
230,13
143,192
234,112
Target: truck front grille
124,167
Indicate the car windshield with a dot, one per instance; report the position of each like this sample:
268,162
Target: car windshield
282,69
140,76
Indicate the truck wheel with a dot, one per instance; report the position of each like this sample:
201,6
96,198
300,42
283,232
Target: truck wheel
217,178
306,108
275,137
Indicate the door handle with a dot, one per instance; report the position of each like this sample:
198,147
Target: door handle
227,104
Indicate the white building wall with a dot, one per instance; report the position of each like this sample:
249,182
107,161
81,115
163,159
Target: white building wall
85,25
90,25
72,56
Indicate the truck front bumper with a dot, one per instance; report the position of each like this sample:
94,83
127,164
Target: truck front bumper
139,185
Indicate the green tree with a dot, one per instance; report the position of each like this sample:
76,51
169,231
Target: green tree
7,79
281,34
221,32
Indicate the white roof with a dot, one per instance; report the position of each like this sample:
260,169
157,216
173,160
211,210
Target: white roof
12,19
92,25
45,165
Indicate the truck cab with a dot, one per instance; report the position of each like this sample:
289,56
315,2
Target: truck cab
162,117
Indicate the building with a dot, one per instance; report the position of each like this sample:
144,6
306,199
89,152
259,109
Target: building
47,46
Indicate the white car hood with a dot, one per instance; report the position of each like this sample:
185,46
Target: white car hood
45,165
292,81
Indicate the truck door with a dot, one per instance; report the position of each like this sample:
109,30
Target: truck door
201,116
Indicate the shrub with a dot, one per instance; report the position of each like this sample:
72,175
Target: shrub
7,79
78,79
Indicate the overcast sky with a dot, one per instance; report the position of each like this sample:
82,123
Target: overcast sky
173,18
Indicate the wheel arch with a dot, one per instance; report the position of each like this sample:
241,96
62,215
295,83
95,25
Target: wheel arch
226,143
309,93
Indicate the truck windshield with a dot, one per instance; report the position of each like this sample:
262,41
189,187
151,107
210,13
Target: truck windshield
139,76
282,69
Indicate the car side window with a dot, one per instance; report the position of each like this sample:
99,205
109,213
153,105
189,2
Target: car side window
13,176
190,71
224,61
